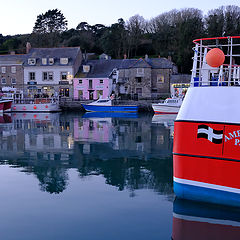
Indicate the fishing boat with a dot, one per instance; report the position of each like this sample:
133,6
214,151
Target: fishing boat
105,105
206,151
168,106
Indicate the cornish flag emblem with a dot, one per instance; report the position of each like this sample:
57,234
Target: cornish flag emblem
214,136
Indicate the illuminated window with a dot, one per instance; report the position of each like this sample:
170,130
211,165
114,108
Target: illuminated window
160,78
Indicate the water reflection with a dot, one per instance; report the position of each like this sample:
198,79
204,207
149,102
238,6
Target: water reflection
131,152
193,220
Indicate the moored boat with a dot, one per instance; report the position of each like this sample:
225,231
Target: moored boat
36,105
168,106
105,105
5,105
206,152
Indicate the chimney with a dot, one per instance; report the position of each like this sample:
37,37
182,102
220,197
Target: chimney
146,57
125,56
28,47
169,58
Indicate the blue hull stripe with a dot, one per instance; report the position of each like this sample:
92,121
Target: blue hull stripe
93,108
203,194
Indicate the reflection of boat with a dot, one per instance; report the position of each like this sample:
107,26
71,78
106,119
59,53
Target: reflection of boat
5,118
35,116
164,118
105,105
110,115
5,105
206,153
169,106
192,220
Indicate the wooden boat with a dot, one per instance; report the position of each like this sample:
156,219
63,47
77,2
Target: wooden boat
206,151
169,106
105,105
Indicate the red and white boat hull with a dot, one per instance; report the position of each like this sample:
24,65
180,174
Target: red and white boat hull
206,151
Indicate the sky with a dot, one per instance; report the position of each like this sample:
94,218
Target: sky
19,16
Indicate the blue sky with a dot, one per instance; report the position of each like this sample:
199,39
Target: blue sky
19,16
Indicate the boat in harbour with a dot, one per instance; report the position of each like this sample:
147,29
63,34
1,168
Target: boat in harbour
206,150
168,106
105,105
35,105
5,105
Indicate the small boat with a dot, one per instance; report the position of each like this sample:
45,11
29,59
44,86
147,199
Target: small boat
206,149
169,106
5,105
36,105
105,105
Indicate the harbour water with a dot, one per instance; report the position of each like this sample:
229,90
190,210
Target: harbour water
94,176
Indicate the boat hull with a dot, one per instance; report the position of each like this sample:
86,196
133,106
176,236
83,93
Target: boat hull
5,105
161,109
95,108
206,151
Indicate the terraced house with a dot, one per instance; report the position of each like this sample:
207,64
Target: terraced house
51,70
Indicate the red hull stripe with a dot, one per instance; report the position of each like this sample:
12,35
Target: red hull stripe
205,170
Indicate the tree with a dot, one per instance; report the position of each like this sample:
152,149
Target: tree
49,22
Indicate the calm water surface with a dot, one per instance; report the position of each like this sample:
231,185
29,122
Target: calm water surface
91,176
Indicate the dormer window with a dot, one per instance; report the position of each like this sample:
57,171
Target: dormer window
32,61
51,61
64,61
44,61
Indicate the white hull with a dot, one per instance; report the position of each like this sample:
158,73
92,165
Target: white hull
161,108
40,107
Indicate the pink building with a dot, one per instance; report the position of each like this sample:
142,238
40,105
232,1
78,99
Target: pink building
92,88
96,79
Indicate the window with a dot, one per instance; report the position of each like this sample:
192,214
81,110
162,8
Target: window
160,78
64,61
139,90
3,80
13,69
51,61
13,80
64,92
44,61
31,76
3,69
80,81
140,70
63,75
47,76
101,81
31,61
138,79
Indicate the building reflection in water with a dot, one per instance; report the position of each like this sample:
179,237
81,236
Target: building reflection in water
193,220
130,152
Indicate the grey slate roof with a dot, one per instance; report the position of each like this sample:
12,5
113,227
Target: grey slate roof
103,68
56,53
12,59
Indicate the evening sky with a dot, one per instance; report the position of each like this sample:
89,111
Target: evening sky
19,16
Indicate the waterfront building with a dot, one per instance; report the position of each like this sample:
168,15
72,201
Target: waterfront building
11,71
95,79
51,70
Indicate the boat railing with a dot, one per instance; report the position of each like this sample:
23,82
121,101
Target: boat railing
227,74
35,100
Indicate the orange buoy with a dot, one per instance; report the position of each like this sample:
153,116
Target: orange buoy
215,57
